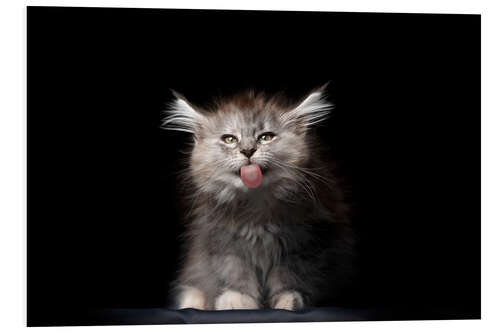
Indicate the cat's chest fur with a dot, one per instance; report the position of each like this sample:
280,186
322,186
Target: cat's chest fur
258,246
260,233
262,244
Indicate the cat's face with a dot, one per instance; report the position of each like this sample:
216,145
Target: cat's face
237,138
247,148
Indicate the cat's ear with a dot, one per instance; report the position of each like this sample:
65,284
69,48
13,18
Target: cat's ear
312,110
182,115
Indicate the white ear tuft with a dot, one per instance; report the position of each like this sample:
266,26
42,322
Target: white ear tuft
181,116
314,109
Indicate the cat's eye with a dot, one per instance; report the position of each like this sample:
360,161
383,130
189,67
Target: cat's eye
266,137
229,139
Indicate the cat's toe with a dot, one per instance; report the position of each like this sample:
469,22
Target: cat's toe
288,300
231,299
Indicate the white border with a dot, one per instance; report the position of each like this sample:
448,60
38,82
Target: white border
422,6
13,158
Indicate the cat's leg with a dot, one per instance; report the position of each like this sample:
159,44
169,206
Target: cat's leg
195,283
287,287
240,289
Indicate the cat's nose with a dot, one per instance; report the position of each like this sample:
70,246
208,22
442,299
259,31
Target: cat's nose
248,152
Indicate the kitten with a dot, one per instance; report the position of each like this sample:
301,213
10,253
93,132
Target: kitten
268,225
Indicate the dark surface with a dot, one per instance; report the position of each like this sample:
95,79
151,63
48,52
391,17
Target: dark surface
103,217
158,316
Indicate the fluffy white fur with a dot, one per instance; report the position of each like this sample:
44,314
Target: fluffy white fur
289,300
231,299
182,117
312,110
192,298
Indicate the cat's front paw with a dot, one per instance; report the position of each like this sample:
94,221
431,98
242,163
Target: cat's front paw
287,300
191,298
231,299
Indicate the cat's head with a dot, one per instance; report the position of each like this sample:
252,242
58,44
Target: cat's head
249,144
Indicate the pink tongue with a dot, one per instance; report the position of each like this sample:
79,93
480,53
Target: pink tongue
251,175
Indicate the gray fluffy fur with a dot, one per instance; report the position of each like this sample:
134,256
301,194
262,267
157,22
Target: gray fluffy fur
285,244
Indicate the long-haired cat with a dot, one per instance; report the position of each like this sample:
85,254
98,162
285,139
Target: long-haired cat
268,225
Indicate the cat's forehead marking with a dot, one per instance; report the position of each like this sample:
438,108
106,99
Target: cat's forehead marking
246,121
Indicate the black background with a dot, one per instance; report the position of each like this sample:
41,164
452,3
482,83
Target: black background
103,216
